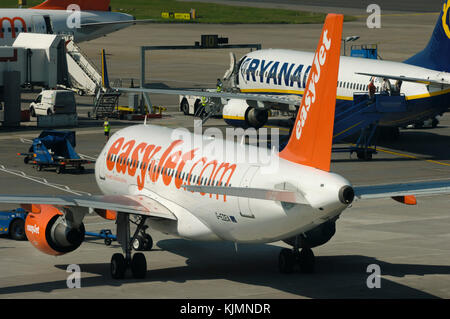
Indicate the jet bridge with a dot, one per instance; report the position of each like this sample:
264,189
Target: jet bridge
33,60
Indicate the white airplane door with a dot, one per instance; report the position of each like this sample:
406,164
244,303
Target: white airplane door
38,24
244,202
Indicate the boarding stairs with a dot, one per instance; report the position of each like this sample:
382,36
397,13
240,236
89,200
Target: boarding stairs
361,117
84,76
212,108
105,103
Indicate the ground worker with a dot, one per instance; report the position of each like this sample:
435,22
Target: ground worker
204,100
372,90
107,128
386,87
398,87
219,85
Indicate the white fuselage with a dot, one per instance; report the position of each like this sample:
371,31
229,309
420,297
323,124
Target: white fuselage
15,21
193,159
286,71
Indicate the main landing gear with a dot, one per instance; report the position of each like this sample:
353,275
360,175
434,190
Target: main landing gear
290,258
137,263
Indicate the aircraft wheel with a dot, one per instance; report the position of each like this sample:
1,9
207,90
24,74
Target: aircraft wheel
138,266
17,229
286,261
434,123
139,243
118,266
60,169
364,155
185,107
148,242
306,260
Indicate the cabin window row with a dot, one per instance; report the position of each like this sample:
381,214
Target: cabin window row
16,30
355,86
195,179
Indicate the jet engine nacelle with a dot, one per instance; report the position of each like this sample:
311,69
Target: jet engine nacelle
238,113
48,230
314,237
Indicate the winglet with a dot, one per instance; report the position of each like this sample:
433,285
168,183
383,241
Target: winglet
311,138
407,199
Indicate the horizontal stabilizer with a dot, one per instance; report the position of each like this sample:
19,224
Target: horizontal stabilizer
257,193
397,190
101,24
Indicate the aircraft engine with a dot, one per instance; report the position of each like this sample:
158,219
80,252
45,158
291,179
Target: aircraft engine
48,230
314,237
237,113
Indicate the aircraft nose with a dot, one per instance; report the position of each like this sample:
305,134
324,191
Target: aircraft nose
346,195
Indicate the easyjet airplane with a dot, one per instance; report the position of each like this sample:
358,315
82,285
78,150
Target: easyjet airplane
181,184
57,17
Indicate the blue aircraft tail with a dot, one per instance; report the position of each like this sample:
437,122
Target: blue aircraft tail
105,78
435,56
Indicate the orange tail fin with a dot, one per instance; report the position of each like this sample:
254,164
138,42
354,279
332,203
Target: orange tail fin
312,135
87,5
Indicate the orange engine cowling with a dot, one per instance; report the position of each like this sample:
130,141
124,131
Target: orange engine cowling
47,229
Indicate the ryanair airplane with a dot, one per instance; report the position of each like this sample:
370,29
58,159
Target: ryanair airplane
275,79
424,78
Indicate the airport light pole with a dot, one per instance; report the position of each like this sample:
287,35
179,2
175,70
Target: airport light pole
349,39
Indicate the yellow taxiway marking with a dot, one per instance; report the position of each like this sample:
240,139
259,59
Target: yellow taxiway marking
280,128
402,14
408,156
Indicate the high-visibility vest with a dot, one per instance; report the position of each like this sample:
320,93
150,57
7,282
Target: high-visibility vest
106,126
203,101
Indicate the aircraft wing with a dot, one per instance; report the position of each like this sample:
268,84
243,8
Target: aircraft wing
140,205
257,193
100,24
407,189
254,100
408,79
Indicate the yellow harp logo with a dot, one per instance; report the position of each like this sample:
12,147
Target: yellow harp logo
444,18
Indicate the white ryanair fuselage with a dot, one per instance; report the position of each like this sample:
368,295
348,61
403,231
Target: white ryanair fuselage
286,71
152,161
15,21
